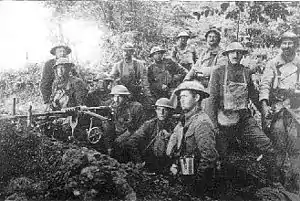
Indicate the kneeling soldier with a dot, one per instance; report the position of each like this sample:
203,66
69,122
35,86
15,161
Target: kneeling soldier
149,142
193,140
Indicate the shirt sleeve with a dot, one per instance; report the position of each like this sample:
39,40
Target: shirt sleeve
136,142
206,144
137,117
214,99
80,92
47,80
266,82
144,78
173,54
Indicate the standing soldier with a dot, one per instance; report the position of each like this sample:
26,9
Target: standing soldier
193,140
164,75
132,74
48,75
149,142
67,91
184,53
280,99
128,117
231,89
281,76
208,58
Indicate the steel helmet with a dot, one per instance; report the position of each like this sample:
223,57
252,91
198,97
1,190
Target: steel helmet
192,85
120,90
127,46
216,31
68,50
63,61
164,102
235,46
183,34
290,35
156,49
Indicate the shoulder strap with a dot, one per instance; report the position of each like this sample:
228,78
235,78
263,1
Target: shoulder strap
137,71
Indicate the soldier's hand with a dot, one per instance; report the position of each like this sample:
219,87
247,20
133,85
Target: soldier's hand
174,169
164,87
265,108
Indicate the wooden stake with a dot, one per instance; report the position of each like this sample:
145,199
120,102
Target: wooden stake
29,116
14,106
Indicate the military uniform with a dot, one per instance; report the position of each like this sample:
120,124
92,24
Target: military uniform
279,86
231,88
166,72
133,75
67,91
186,56
48,75
70,93
149,144
193,143
196,138
47,80
279,79
127,118
207,59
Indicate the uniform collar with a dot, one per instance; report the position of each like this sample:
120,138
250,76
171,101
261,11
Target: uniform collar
213,49
191,114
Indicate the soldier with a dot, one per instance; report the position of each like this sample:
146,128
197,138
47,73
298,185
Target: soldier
280,100
193,139
164,75
67,91
281,76
208,58
48,75
101,95
128,117
132,74
149,142
231,88
184,53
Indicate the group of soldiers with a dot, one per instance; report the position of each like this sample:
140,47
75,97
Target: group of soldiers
213,91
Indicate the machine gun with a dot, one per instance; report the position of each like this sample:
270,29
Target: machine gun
72,114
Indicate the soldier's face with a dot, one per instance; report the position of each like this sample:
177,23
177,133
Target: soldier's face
118,99
212,39
188,100
288,47
235,57
127,54
183,40
61,70
157,56
161,113
60,52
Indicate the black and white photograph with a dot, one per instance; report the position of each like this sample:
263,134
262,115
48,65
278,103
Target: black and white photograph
149,100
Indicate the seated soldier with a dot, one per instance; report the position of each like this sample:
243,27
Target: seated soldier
67,91
149,142
193,140
128,116
100,96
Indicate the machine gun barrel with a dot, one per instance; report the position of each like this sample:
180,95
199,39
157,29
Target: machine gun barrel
95,115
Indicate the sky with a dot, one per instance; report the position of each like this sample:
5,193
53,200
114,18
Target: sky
25,30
